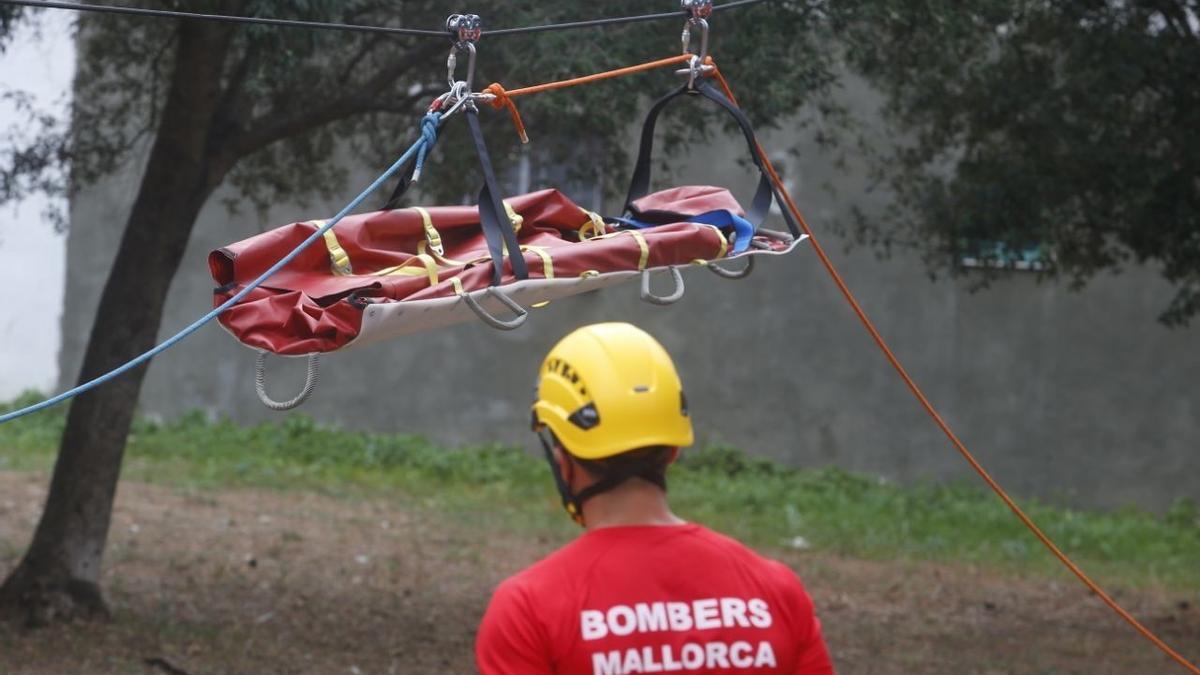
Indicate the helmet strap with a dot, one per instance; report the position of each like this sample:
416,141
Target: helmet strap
572,502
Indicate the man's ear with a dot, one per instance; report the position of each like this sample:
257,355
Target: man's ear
673,456
565,465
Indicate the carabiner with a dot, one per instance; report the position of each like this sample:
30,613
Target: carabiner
699,11
464,30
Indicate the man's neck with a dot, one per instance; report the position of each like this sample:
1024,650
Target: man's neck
634,502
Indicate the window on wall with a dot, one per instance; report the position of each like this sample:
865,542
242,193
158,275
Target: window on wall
985,254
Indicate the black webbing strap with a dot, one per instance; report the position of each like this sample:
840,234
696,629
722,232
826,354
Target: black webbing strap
639,185
493,219
571,504
393,202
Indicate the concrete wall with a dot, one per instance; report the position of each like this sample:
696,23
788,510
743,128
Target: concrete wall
1075,397
40,61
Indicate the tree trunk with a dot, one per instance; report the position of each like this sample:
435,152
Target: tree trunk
59,576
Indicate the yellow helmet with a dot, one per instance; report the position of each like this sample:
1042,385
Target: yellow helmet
610,388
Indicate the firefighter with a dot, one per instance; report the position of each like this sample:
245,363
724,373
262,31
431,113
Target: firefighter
641,591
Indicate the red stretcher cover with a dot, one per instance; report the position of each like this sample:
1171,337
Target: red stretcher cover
389,273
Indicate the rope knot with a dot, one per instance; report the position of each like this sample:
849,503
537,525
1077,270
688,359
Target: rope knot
503,100
429,137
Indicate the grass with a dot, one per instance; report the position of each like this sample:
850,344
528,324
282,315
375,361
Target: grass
499,487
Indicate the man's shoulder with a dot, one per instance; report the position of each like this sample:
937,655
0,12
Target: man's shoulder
747,557
732,546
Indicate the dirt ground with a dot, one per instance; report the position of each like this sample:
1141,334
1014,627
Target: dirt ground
269,582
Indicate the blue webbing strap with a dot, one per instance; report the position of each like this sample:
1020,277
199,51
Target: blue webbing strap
743,230
429,126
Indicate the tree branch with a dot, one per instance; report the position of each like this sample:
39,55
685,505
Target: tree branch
271,127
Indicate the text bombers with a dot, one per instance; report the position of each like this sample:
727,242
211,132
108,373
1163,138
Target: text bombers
659,617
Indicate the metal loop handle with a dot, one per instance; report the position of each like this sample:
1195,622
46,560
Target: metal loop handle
662,299
732,274
260,382
499,324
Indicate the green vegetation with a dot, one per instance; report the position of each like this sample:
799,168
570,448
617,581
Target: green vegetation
498,488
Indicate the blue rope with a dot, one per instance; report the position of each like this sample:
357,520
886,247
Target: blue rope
429,127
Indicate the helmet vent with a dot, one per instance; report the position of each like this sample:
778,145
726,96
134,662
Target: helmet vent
586,417
641,389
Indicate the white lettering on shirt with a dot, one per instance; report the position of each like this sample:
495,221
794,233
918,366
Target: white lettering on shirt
654,617
692,656
760,614
680,614
651,617
606,663
707,616
765,658
591,623
715,655
621,620
739,654
649,665
703,614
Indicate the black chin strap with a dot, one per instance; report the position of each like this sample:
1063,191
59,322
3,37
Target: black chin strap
570,501
573,502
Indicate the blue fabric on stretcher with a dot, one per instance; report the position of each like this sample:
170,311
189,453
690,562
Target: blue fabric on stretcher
743,230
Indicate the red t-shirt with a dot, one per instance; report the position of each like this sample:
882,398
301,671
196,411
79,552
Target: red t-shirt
652,599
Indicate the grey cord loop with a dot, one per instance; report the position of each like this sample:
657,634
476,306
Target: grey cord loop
499,324
260,382
671,299
732,274
785,237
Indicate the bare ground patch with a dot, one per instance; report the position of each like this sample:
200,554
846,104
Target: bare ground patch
291,582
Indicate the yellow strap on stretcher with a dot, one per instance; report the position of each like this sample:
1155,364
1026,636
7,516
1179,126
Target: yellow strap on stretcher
339,260
428,268
547,268
594,227
432,245
721,238
644,258
547,261
432,236
433,239
517,221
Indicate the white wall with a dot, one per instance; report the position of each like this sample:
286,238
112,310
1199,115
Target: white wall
40,60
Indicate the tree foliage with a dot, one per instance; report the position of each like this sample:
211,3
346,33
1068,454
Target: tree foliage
1070,125
294,97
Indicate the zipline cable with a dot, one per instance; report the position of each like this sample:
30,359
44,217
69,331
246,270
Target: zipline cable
224,18
941,423
428,137
613,21
358,28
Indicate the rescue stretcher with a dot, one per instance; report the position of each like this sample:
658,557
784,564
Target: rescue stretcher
399,271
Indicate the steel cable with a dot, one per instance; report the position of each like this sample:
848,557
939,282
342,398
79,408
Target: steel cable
358,28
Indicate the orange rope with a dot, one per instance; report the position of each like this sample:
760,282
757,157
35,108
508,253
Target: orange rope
504,99
937,418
